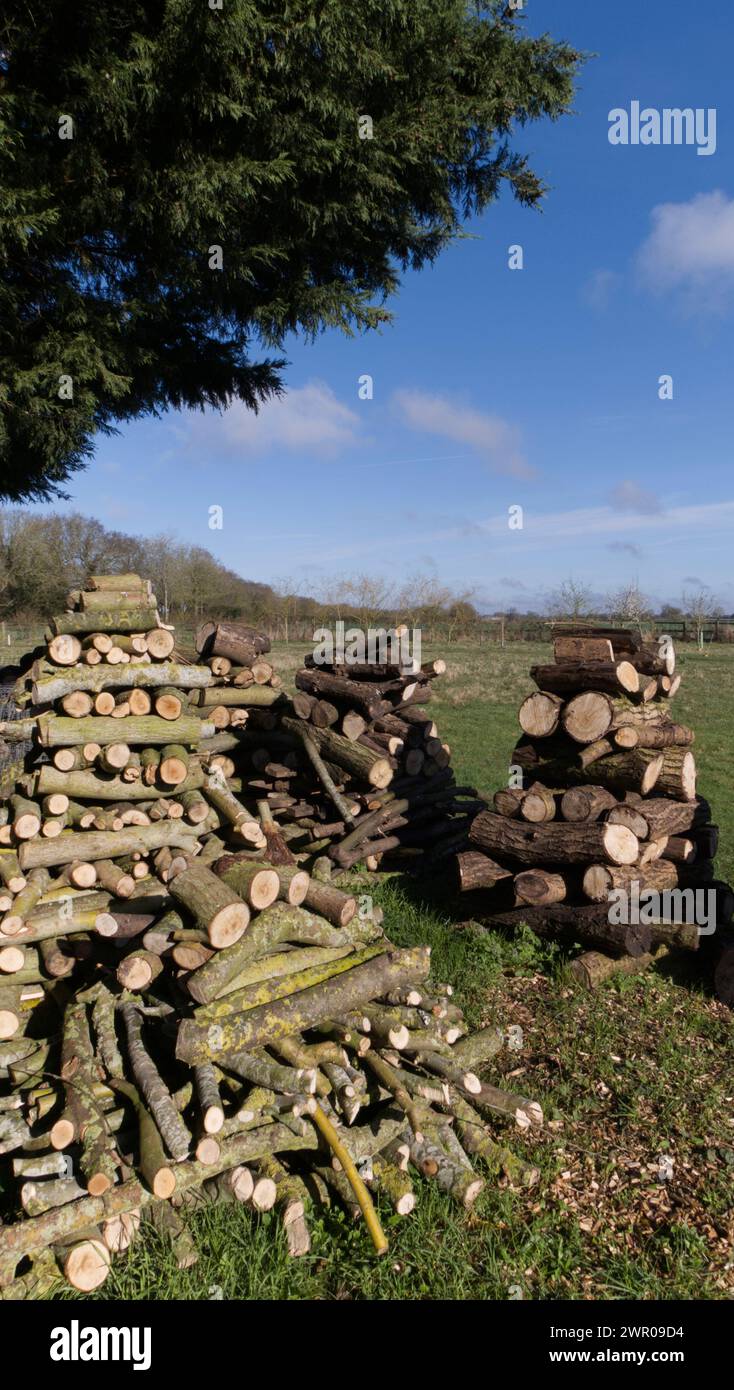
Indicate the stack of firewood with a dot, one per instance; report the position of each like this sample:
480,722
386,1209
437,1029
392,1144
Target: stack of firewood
602,801
352,767
180,1024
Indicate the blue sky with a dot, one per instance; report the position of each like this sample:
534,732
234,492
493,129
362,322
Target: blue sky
494,387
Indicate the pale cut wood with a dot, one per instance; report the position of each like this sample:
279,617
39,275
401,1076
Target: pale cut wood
538,804
87,1265
539,714
64,649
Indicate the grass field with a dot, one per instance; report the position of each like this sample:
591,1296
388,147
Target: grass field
640,1073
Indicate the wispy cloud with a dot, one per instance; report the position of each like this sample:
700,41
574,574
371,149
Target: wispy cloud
691,249
600,288
628,496
489,435
625,548
308,419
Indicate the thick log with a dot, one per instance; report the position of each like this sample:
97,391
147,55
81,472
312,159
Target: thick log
594,968
539,714
677,777
593,714
257,884
215,906
266,1024
114,619
240,643
477,870
666,817
600,879
614,677
588,924
635,769
582,649
539,888
54,731
632,817
555,843
538,805
655,658
64,650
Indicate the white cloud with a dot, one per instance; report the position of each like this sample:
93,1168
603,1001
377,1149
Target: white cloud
489,435
307,419
691,249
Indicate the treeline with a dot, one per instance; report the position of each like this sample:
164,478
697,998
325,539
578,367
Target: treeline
42,557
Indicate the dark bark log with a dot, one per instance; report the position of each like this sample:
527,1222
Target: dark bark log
588,924
555,843
234,640
614,677
477,870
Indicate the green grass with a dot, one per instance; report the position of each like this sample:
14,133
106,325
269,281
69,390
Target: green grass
643,1070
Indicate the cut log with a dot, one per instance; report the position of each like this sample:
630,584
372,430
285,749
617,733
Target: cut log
556,843
507,802
538,804
600,879
64,650
588,924
586,803
360,761
677,777
55,731
539,888
257,884
216,908
50,685
594,968
539,714
654,736
92,845
582,649
613,677
234,640
477,870
91,787
114,619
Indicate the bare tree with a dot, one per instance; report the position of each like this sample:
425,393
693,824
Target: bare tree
572,599
629,606
700,606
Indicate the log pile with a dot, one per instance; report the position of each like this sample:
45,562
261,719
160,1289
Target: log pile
352,767
187,1013
602,802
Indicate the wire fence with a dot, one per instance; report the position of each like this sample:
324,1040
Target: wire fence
18,639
